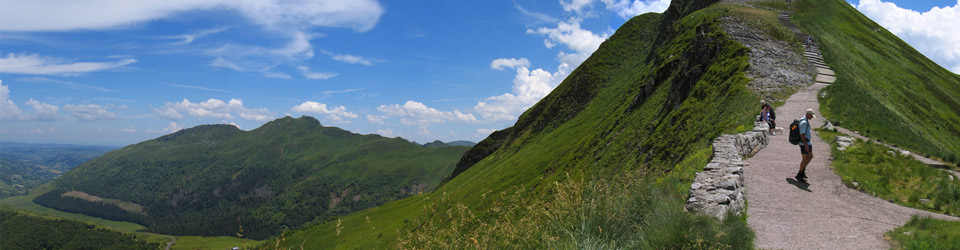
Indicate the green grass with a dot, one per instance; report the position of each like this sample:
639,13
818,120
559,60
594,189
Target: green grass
885,89
927,233
626,212
211,243
894,177
641,106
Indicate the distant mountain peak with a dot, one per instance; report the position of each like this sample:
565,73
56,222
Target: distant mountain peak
201,130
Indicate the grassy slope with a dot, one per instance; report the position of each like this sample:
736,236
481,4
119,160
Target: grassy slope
297,161
898,178
26,230
885,89
646,110
926,233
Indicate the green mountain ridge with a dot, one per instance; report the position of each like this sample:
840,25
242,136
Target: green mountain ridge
646,103
210,180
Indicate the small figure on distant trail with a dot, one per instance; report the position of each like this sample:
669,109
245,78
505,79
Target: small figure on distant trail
769,116
806,146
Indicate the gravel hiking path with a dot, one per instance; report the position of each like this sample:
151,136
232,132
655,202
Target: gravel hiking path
823,214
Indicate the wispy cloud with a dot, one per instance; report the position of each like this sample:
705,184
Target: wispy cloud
89,112
535,15
330,92
348,58
70,84
59,15
305,71
190,37
200,88
35,64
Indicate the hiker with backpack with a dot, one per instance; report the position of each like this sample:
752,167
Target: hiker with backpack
800,135
767,115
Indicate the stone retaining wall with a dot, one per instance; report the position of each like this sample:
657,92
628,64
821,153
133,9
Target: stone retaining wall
719,187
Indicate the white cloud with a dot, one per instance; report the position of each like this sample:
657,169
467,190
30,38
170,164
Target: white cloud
536,15
376,119
934,33
38,65
128,130
484,132
248,58
629,8
89,112
500,64
8,110
57,15
173,127
213,108
423,130
186,39
575,5
570,34
385,132
336,114
43,111
528,88
349,58
315,75
415,113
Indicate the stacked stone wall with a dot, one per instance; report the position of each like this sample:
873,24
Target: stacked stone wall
719,187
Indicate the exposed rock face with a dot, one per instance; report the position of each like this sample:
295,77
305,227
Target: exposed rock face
843,142
719,187
774,65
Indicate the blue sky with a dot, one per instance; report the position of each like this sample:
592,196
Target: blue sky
421,70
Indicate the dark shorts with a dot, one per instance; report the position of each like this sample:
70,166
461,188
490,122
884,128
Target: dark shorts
771,124
803,149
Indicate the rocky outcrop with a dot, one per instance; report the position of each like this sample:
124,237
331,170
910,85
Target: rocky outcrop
719,187
843,142
775,67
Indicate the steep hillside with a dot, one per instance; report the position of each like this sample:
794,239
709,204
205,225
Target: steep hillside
645,105
885,89
24,166
213,179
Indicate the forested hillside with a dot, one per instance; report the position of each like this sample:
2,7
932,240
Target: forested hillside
26,231
213,179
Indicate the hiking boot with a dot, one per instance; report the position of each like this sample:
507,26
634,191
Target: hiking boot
803,174
800,177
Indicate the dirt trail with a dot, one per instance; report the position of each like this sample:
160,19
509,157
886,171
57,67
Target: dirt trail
823,214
